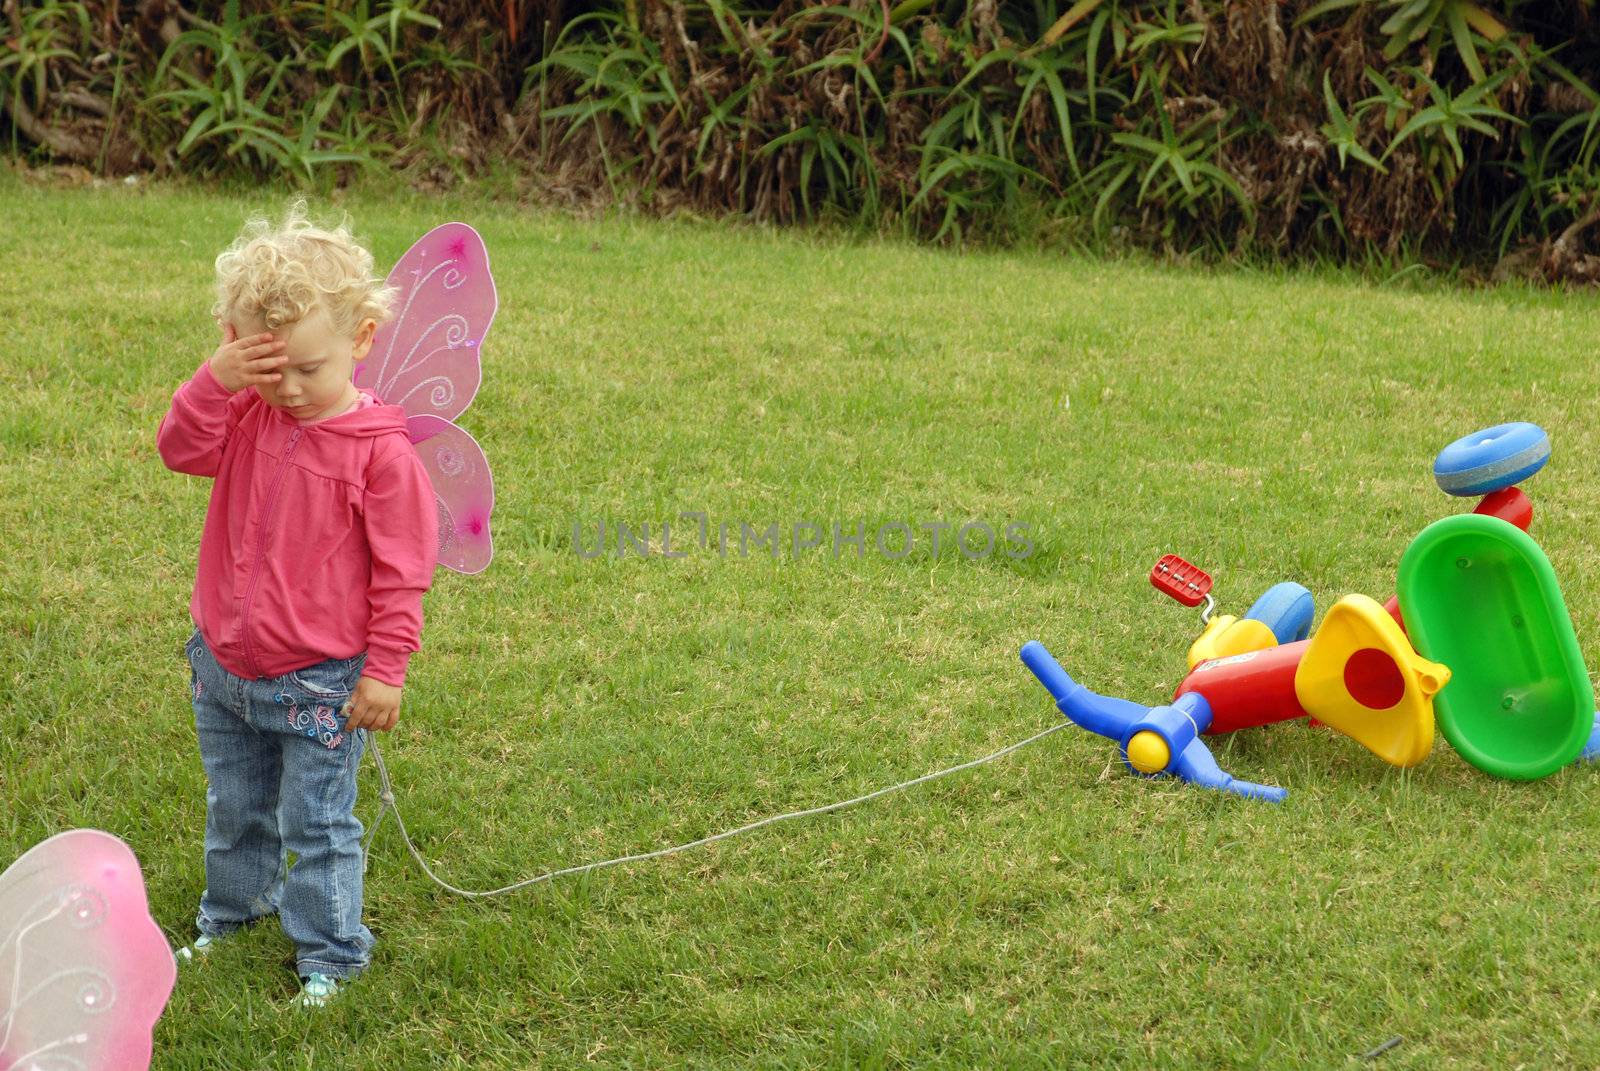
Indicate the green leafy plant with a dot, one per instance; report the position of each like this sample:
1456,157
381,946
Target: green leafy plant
228,98
1307,129
1450,114
378,34
46,34
1428,23
1340,130
1174,171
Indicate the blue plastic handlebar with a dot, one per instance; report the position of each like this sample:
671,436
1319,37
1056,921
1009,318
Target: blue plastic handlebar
1044,666
1118,719
1099,714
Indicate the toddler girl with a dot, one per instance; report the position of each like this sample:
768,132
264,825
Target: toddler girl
319,541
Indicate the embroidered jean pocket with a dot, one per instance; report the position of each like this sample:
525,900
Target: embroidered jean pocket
314,698
317,721
333,679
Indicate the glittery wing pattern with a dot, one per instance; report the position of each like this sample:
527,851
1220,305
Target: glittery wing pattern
84,970
462,488
427,361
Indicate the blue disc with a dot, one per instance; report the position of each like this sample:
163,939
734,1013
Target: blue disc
1286,609
1491,459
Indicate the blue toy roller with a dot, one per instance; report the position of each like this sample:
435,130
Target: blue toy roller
1286,609
1491,459
1152,740
1591,750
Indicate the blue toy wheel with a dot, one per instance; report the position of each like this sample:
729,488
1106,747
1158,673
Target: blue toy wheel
1286,609
1491,459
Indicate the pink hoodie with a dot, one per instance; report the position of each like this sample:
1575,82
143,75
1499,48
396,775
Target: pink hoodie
320,539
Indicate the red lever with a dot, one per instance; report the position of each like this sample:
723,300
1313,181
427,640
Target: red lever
1176,577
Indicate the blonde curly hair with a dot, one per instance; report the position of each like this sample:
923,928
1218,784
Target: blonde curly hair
280,273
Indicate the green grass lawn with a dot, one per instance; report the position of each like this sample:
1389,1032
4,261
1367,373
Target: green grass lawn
1043,911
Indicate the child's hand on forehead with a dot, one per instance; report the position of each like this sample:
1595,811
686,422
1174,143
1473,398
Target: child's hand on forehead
247,362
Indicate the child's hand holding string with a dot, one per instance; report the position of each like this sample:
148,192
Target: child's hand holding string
375,705
247,362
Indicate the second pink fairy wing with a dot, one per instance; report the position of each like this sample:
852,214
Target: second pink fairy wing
84,970
463,489
426,360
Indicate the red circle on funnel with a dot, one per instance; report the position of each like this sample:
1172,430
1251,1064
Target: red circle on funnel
1373,680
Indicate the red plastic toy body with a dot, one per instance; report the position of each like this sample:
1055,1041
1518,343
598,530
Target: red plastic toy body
1509,504
1246,690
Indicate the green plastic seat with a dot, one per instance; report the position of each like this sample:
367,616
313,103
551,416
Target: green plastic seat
1480,596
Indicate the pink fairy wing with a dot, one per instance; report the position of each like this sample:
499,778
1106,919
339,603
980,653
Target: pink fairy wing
463,489
426,359
84,970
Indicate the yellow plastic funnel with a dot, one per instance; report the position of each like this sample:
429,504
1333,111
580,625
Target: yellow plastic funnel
1361,676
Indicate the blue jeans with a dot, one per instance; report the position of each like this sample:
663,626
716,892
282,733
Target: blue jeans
281,774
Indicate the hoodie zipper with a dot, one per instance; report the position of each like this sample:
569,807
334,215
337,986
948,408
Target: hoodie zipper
261,551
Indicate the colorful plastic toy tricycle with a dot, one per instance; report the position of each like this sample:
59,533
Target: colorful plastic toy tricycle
1478,637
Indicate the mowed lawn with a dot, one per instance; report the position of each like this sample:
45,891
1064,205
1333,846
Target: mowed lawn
1045,910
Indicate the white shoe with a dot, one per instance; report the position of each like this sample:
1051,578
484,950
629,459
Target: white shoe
202,945
316,990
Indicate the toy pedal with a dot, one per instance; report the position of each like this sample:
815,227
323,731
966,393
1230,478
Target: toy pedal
1175,577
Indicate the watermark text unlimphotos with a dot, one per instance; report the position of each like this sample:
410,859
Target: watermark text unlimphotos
693,533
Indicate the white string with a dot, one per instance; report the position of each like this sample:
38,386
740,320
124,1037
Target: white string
387,796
